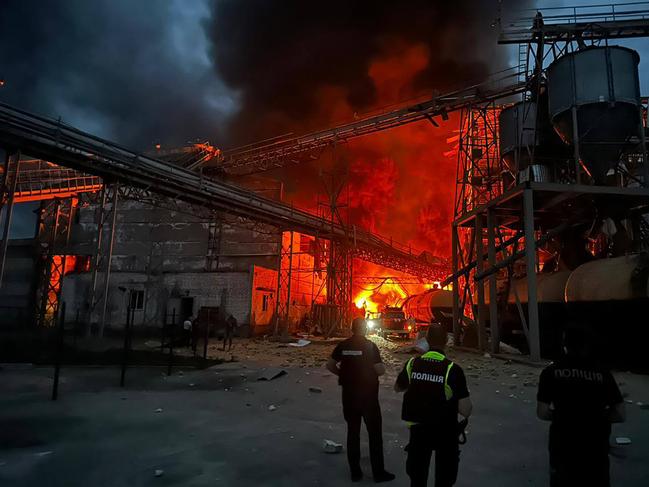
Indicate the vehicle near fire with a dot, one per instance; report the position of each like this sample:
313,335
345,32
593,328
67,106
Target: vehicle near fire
389,321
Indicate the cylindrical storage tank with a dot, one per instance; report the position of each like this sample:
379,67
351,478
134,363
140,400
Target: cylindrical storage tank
602,84
433,305
623,278
516,132
611,296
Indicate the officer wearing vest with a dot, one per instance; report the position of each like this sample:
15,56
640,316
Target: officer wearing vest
435,392
581,399
357,363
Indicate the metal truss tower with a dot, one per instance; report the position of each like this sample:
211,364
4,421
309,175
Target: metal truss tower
501,220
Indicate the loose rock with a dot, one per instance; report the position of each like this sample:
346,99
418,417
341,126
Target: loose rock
329,446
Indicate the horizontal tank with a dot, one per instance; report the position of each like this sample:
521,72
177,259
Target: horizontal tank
602,84
617,279
433,305
611,296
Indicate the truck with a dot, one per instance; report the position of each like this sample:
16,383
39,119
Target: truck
389,321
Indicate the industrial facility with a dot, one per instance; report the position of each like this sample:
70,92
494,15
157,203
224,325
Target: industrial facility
550,219
217,216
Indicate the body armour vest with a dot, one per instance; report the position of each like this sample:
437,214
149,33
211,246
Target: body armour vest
429,398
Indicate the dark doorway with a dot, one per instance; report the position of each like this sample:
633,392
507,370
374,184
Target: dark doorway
186,308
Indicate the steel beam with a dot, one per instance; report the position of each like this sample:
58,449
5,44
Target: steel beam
480,318
530,261
64,145
493,288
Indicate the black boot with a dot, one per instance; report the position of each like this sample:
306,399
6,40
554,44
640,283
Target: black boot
385,476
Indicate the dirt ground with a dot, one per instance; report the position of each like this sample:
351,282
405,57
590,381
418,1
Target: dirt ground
222,426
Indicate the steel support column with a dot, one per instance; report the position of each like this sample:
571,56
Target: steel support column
480,318
456,285
54,234
7,191
493,288
109,257
530,261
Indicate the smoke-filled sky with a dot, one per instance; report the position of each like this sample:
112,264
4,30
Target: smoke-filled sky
235,71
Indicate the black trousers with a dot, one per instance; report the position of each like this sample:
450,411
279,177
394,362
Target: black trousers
579,458
363,405
424,440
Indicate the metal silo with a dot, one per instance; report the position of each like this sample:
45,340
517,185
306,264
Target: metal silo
596,91
529,146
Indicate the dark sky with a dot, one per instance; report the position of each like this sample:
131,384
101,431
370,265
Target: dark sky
228,71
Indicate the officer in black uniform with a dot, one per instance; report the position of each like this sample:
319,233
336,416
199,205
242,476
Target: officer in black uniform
435,392
581,399
357,363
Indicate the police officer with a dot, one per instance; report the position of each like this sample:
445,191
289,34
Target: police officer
435,392
357,363
581,399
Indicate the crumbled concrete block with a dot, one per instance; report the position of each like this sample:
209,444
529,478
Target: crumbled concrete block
158,473
272,407
329,446
159,410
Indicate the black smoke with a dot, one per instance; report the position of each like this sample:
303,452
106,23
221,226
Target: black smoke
278,53
132,71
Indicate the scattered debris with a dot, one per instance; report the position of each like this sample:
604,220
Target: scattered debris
158,473
509,349
300,343
272,407
487,355
329,446
315,389
622,440
271,373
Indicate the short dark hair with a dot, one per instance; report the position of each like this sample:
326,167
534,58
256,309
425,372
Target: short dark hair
579,339
358,326
436,336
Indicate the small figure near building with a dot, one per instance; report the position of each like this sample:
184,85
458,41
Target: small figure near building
230,327
188,324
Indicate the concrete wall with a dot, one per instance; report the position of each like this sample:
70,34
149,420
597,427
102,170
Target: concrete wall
17,293
230,290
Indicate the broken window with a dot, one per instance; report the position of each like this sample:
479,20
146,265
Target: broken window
264,302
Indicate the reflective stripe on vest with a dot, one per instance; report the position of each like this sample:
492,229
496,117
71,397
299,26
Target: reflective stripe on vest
437,357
